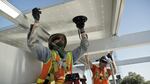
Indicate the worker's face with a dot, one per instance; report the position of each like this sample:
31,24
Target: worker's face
59,41
102,65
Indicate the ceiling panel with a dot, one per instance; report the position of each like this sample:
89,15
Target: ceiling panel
58,19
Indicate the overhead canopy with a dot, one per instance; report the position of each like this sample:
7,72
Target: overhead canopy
103,17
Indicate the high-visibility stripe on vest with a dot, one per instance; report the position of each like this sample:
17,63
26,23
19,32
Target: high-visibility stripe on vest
57,72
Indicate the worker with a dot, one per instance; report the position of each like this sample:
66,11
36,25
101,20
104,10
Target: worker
57,62
102,72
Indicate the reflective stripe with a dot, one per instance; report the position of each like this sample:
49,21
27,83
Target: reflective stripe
69,62
52,66
46,68
39,80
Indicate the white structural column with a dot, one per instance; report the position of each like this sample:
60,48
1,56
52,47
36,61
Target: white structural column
113,43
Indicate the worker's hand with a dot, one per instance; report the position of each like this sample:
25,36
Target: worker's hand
109,60
109,55
36,14
82,30
84,35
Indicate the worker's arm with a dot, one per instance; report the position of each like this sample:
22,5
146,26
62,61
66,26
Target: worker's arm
34,43
84,60
114,67
89,63
79,51
109,55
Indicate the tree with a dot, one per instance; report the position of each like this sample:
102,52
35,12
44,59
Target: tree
147,82
133,78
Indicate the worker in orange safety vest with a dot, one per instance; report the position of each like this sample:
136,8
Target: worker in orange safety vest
57,62
102,72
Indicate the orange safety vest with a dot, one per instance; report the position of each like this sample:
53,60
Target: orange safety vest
100,76
57,72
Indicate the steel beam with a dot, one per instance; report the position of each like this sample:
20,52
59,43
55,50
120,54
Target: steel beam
124,62
113,43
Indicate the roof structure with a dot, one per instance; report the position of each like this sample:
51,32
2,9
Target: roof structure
101,26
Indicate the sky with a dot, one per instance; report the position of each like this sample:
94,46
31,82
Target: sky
135,18
30,4
27,6
4,23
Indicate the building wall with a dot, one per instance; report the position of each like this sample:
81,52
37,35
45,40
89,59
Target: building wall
17,66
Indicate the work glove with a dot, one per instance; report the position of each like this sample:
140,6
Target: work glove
109,61
82,30
109,56
36,14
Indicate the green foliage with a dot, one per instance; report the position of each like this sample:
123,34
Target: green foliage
133,78
147,82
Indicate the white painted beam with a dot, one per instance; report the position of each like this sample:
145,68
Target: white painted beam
133,61
20,20
124,62
113,43
116,15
